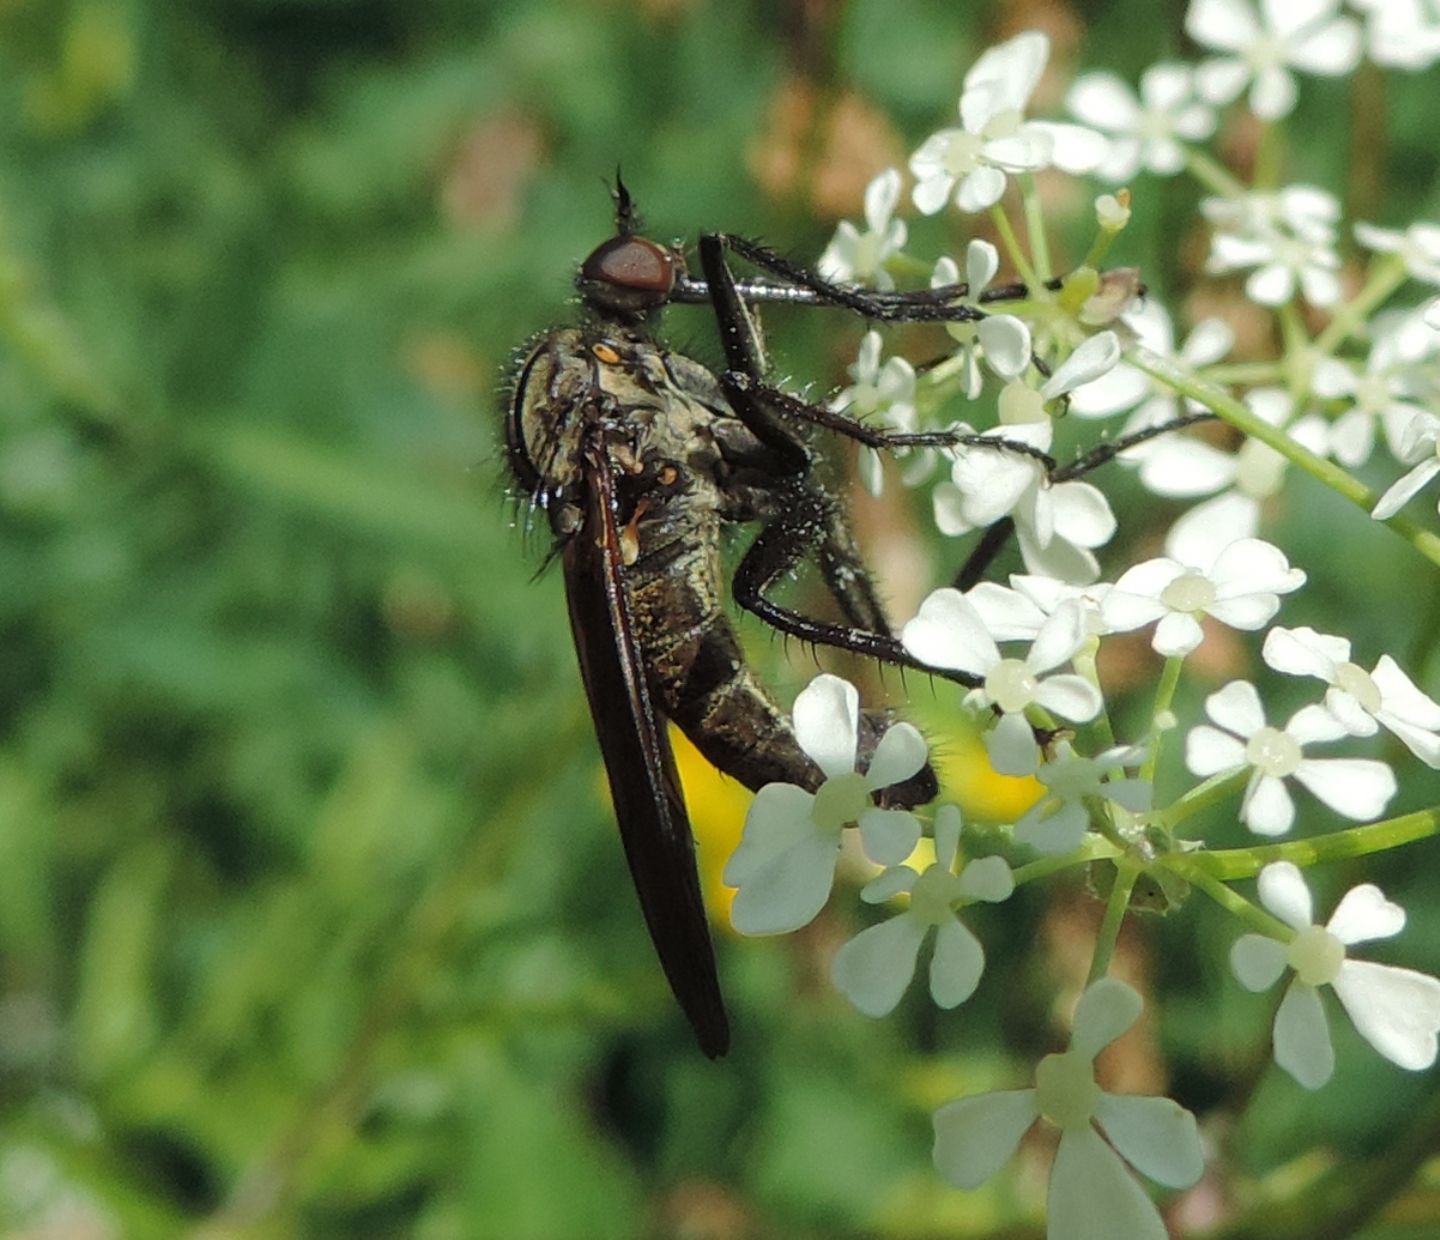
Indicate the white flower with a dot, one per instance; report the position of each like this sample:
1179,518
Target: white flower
949,632
874,968
1092,1191
1241,589
1401,34
1145,132
1263,48
1002,340
1057,822
1182,465
1396,1010
1419,443
1432,314
1358,788
886,390
1056,524
1361,700
1380,391
860,257
784,866
1287,237
1418,247
971,162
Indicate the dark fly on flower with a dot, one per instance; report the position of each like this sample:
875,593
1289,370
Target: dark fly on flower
640,458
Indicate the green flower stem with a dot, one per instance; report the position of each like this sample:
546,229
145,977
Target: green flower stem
1093,849
1246,372
1214,790
1116,904
1035,226
1374,837
1012,248
1212,175
1243,418
1164,696
1084,664
1387,274
1251,914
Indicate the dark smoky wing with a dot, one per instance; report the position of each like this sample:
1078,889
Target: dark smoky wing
644,785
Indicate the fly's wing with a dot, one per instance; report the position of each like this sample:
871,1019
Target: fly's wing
643,782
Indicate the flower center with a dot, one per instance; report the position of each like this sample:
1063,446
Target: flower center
1273,752
1004,124
840,801
1316,956
962,153
1011,685
1360,685
1188,592
934,895
1267,52
1372,393
1155,125
1065,1090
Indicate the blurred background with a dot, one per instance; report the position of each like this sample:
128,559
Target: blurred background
313,921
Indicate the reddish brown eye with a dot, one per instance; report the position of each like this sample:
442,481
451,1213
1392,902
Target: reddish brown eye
628,273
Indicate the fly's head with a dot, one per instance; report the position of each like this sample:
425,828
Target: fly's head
629,275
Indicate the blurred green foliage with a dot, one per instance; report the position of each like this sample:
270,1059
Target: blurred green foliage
312,918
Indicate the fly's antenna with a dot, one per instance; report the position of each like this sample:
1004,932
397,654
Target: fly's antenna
627,219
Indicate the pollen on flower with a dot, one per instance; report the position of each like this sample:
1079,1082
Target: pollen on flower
1316,956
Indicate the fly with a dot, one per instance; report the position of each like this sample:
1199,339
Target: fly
641,458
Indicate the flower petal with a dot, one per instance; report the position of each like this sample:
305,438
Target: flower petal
788,892
1177,635
1158,1137
1302,1037
1095,355
889,835
1208,751
1364,914
1094,1197
827,715
1006,341
1011,746
1071,697
956,966
1267,808
778,819
874,968
987,878
1283,891
1106,1010
1062,634
976,1136
946,830
1236,707
901,753
948,632
1396,1010
1359,788
1304,652
1257,961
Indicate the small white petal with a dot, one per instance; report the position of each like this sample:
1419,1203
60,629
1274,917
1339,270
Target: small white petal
1177,635
1006,341
1052,828
982,261
1227,25
1208,751
901,753
778,819
1284,893
1401,697
1359,788
888,884
1304,652
947,834
956,966
1302,1037
1158,1137
987,878
1405,489
976,1136
1237,708
1093,358
874,968
948,632
1266,807
1094,1197
1062,634
980,190
790,891
1257,961
889,835
1011,746
1364,914
1104,101
1273,95
1396,1010
1311,724
826,715
1071,697
1106,1010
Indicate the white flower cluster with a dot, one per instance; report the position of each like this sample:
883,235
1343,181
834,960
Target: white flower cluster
1028,650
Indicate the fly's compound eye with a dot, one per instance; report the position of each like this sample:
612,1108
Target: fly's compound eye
628,275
